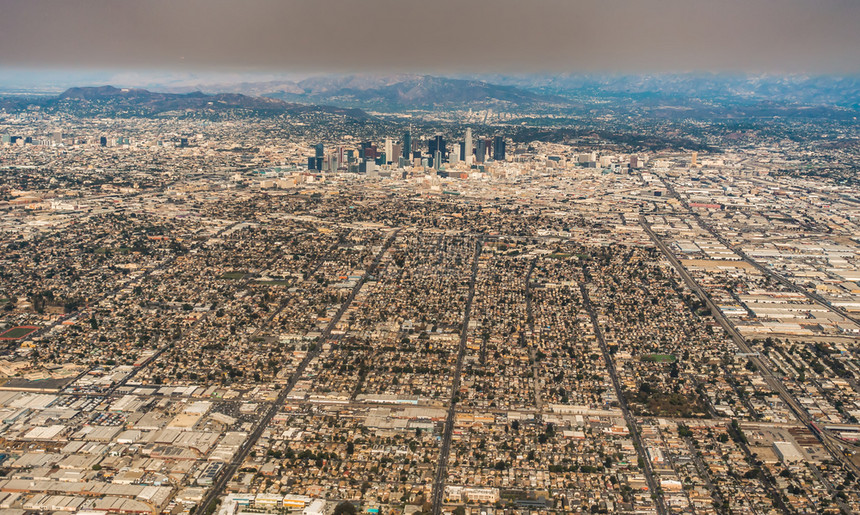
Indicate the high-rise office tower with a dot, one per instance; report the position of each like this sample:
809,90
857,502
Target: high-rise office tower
371,152
407,145
389,149
437,143
456,152
693,159
320,150
499,148
467,148
481,151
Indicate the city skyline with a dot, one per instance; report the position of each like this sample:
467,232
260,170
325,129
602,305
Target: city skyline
467,257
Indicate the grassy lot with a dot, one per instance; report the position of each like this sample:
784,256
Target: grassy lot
17,332
233,275
666,404
659,358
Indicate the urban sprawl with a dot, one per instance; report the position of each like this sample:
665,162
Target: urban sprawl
208,316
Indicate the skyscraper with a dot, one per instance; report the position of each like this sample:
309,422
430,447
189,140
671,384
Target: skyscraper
370,150
320,150
499,148
407,145
456,152
437,144
389,149
481,151
467,148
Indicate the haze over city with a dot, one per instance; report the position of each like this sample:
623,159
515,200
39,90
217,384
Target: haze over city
383,257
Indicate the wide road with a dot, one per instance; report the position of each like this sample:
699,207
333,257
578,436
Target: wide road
622,402
230,470
530,324
814,297
442,466
830,442
824,435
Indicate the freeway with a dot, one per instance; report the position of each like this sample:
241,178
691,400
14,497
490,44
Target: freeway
758,266
622,402
814,297
441,468
230,470
831,443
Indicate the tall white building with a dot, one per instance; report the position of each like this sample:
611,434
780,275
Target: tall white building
389,150
454,156
467,151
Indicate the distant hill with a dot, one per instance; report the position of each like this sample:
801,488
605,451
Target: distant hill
411,92
808,90
108,100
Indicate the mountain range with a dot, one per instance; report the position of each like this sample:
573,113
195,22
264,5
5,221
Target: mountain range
112,101
698,96
398,92
834,90
408,91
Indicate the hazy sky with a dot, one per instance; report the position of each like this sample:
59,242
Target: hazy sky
813,36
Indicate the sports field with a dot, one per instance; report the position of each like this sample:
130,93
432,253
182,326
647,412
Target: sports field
18,332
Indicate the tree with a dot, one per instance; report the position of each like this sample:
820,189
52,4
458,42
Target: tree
345,508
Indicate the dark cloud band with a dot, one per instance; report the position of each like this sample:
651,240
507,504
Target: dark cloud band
441,35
